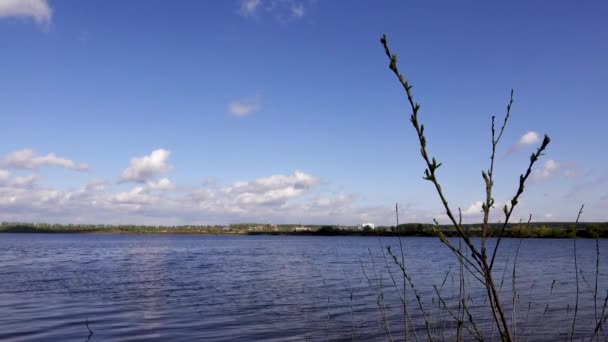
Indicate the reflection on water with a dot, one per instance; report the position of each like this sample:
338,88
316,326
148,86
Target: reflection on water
274,288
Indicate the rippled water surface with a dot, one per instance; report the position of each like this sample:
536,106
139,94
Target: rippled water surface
274,288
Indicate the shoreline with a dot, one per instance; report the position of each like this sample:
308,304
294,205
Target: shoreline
508,234
532,230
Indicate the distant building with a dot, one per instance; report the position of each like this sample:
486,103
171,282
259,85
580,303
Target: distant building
371,225
302,229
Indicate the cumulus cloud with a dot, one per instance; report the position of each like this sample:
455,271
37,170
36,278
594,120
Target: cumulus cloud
282,10
277,198
27,159
24,181
244,107
547,171
249,7
530,138
142,169
90,192
552,168
297,10
137,195
473,209
163,184
333,202
296,197
474,212
38,10
143,194
241,108
273,189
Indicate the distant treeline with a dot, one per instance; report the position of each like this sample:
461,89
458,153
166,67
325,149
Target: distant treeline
539,229
532,230
241,228
11,227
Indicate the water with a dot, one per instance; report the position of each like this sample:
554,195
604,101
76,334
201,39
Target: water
274,288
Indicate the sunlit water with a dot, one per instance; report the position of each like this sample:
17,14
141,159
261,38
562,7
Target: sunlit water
274,288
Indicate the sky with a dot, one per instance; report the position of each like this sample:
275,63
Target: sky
285,111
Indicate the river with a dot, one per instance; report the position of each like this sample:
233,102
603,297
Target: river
62,287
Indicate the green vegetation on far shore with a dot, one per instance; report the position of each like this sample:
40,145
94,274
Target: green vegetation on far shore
533,230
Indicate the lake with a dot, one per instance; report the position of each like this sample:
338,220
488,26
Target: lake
273,288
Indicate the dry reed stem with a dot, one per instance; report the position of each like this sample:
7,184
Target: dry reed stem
603,318
86,323
416,295
576,273
380,298
597,271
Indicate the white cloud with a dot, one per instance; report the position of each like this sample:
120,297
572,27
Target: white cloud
249,7
278,198
474,212
527,139
273,189
297,10
282,10
27,159
163,184
473,209
141,195
244,107
297,197
241,109
137,195
23,181
87,193
39,10
147,167
547,171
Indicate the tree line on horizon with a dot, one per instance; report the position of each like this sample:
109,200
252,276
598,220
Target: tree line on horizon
530,230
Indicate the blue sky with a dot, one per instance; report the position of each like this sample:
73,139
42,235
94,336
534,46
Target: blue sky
160,112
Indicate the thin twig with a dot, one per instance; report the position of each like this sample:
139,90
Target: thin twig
603,318
461,290
86,323
418,298
597,272
406,314
576,271
352,313
475,334
380,297
514,282
489,177
371,287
